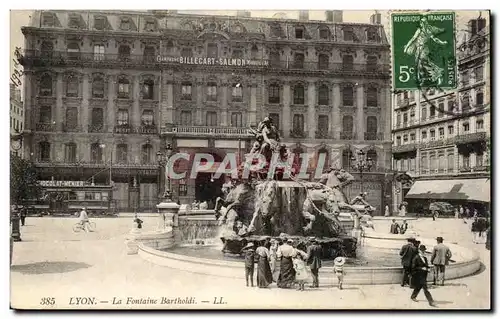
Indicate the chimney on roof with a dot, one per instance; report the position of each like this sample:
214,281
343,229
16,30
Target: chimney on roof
334,16
243,13
304,15
376,18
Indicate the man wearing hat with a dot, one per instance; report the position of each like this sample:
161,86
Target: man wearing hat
249,253
314,260
420,269
441,256
407,254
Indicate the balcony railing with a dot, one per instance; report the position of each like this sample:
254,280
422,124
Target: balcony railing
470,138
324,134
206,130
147,129
481,168
404,148
374,136
96,128
95,164
297,133
346,136
63,58
45,127
123,129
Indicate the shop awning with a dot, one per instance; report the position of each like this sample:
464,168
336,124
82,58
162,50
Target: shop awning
476,190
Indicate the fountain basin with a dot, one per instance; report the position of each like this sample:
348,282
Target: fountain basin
466,263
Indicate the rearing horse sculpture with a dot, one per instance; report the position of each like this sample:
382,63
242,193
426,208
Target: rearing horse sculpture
265,207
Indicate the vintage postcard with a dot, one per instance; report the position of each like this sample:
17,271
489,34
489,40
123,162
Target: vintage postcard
170,159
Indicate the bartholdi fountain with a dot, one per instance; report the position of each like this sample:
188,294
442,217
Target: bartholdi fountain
279,205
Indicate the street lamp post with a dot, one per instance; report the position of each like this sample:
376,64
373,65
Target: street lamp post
361,163
163,161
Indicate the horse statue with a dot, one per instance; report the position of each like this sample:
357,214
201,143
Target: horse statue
238,205
263,220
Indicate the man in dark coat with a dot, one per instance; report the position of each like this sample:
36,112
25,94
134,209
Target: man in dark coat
420,269
441,256
314,261
394,227
407,253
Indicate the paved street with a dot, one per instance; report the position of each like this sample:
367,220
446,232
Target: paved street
54,262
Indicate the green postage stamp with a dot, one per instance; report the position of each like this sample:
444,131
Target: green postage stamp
424,50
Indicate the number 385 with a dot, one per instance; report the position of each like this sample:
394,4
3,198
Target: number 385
48,301
404,73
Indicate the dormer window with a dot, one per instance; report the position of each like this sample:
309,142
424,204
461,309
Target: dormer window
150,26
99,23
125,24
74,22
324,33
371,34
299,33
348,34
48,20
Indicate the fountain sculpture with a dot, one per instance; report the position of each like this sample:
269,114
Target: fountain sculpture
275,205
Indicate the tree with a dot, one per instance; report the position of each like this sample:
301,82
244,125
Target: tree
23,180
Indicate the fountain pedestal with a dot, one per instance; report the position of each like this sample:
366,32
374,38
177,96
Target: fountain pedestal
164,235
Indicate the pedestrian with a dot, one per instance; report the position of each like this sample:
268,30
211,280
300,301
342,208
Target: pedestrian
394,227
23,216
456,213
407,253
488,238
387,211
285,255
420,269
441,256
468,213
475,230
314,261
273,263
302,273
264,275
338,269
249,253
404,227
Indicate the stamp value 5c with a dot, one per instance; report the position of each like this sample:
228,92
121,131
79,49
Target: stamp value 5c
424,50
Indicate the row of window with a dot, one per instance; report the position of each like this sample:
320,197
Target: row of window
441,132
120,155
96,118
76,21
149,55
476,75
17,110
440,162
98,87
439,111
148,91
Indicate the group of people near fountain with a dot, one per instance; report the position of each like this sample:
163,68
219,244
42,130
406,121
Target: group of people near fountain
282,261
416,266
397,228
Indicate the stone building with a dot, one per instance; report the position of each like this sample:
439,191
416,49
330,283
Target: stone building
112,88
441,139
16,114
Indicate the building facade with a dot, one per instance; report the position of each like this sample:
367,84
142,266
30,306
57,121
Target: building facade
108,90
441,139
16,116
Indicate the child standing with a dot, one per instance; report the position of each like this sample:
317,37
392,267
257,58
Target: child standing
301,271
249,252
338,268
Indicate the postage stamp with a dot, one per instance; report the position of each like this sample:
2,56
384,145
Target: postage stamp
424,52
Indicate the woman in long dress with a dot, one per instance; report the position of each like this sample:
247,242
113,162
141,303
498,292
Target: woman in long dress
273,262
264,274
285,254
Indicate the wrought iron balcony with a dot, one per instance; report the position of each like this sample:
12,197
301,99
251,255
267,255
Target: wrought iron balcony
38,58
470,138
481,168
347,136
96,128
374,136
206,130
404,148
324,134
147,129
46,127
123,129
297,133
